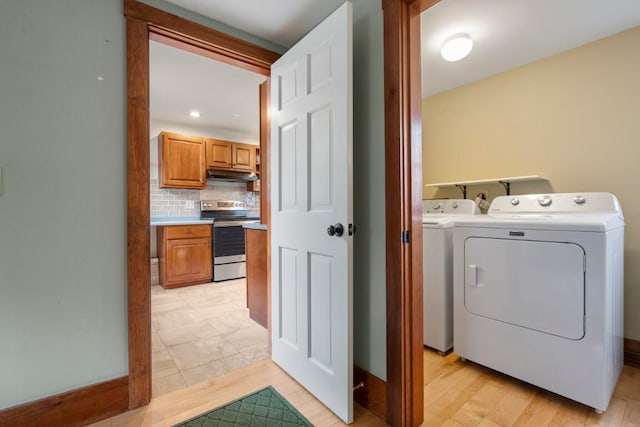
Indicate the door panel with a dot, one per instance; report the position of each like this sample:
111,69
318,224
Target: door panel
287,161
311,118
531,284
287,86
319,66
287,309
320,285
320,143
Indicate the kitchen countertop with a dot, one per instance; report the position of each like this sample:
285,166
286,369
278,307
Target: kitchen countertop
178,220
255,226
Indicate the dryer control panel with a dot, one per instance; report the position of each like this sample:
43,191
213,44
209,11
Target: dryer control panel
450,206
556,203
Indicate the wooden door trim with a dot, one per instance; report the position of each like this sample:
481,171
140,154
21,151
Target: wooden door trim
196,38
370,391
403,204
73,408
632,352
265,185
144,23
138,214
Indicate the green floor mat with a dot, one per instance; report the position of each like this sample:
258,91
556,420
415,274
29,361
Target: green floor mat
263,408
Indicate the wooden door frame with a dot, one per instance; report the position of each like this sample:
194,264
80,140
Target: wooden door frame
403,193
144,23
403,180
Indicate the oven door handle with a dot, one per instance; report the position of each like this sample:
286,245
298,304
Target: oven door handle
232,223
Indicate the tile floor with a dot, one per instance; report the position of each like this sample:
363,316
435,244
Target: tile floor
201,332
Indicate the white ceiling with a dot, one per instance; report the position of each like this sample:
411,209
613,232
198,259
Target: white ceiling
180,81
511,33
283,22
506,34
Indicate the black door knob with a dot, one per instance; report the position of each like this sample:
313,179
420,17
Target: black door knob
335,230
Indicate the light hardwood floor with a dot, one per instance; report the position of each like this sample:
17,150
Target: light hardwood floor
456,393
461,393
172,408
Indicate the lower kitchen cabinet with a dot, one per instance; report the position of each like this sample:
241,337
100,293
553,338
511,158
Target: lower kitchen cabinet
184,254
257,291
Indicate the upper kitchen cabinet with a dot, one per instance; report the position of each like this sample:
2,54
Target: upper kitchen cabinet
230,155
218,153
181,161
244,157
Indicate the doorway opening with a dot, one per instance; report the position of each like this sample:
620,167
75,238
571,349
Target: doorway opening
200,323
145,23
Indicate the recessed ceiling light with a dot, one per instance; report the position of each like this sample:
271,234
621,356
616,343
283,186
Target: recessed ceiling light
195,114
456,47
236,115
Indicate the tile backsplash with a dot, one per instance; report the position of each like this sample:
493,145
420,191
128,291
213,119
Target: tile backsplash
173,202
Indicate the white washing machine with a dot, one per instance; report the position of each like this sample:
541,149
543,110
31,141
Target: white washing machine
437,249
538,292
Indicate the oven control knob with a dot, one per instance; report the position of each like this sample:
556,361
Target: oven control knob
579,200
436,206
454,205
544,201
515,201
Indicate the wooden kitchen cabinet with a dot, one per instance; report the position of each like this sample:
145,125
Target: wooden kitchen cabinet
181,161
257,288
230,155
218,153
184,254
244,157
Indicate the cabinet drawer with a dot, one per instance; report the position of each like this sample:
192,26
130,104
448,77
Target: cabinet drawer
187,231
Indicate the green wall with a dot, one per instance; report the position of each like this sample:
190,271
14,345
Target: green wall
370,313
63,306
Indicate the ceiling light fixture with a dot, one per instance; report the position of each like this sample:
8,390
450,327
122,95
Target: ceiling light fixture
195,114
456,47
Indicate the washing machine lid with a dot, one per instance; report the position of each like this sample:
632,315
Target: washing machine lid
450,207
437,221
444,220
595,212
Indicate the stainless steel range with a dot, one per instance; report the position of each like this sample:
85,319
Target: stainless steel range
228,236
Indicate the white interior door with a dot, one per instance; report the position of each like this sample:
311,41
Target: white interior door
311,134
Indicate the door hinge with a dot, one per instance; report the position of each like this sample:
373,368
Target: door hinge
405,236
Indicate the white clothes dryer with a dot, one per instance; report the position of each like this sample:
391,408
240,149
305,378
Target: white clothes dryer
437,251
538,292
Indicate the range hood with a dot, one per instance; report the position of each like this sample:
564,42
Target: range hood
231,176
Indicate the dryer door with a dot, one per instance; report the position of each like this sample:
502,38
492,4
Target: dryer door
530,284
